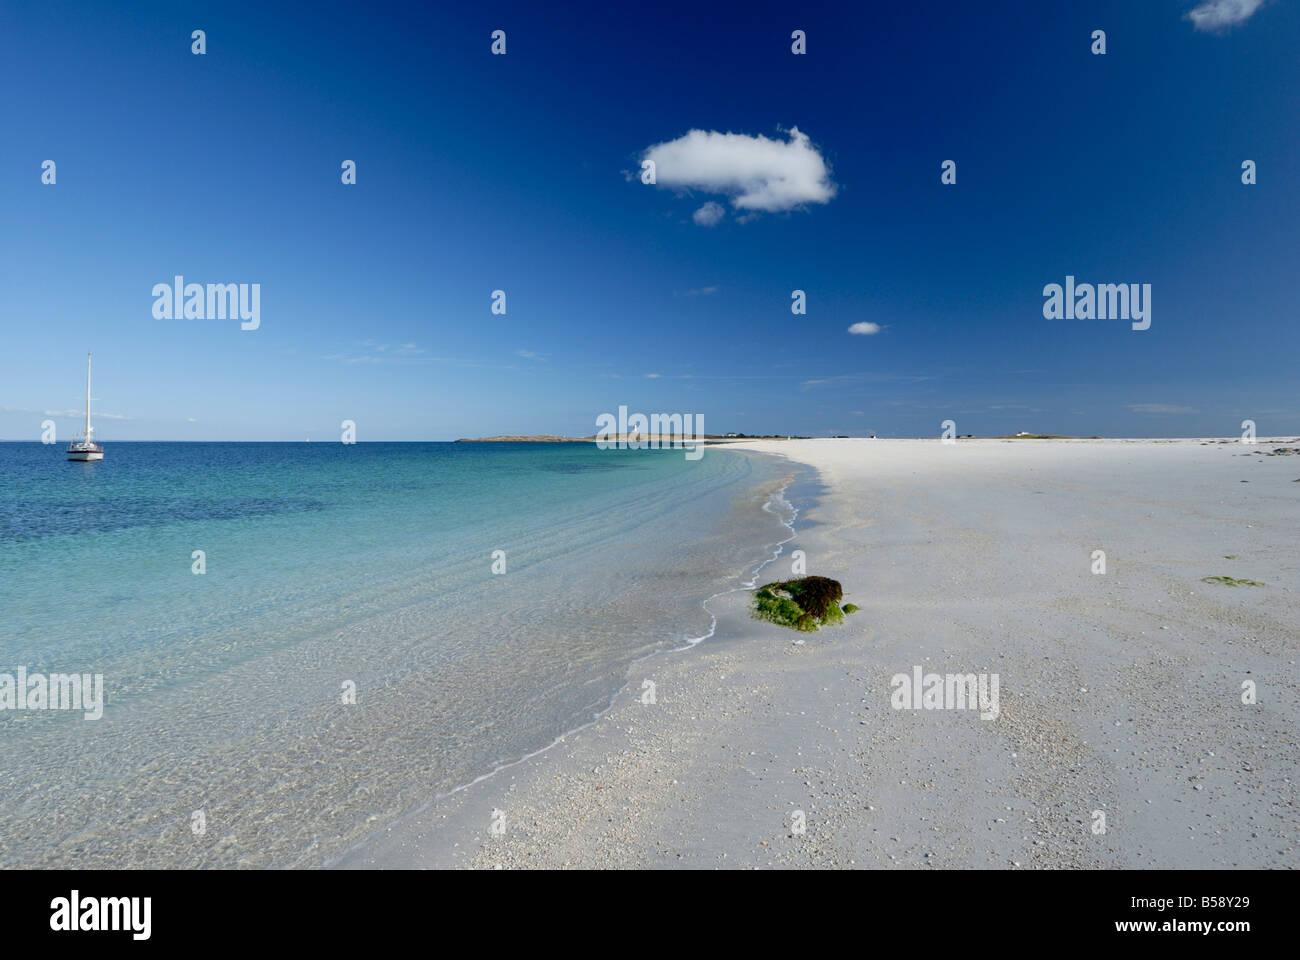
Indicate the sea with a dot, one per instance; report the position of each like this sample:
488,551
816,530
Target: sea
301,643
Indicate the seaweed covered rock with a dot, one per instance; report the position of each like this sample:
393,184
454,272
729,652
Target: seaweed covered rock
804,604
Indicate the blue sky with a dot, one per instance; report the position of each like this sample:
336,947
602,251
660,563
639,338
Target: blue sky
520,172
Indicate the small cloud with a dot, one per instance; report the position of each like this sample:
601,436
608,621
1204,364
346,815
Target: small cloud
758,174
846,378
858,413
865,327
373,352
701,292
653,376
529,355
81,413
346,358
709,215
190,420
1159,408
1217,16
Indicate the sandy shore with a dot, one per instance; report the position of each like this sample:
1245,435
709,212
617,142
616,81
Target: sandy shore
1121,694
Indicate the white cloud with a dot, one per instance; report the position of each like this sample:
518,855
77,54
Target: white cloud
1158,408
847,378
374,352
529,355
345,358
1215,16
865,328
653,376
702,291
191,420
710,214
755,172
81,413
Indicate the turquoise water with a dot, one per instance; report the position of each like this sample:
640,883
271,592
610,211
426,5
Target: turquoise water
367,565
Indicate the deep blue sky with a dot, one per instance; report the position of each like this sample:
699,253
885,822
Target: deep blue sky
478,172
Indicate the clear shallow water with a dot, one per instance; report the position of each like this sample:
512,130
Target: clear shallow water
328,563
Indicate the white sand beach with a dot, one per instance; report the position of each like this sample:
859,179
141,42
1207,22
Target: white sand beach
1121,693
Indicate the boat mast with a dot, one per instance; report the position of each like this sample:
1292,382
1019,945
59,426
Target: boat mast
87,396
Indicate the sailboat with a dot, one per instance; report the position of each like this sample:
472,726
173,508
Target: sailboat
85,448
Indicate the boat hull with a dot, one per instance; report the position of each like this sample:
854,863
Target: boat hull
85,455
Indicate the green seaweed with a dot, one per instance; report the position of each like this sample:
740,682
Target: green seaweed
850,608
807,604
1233,582
768,606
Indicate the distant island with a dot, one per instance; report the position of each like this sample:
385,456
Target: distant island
1039,436
535,438
665,438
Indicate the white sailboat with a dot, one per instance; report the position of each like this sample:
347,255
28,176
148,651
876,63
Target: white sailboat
85,448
